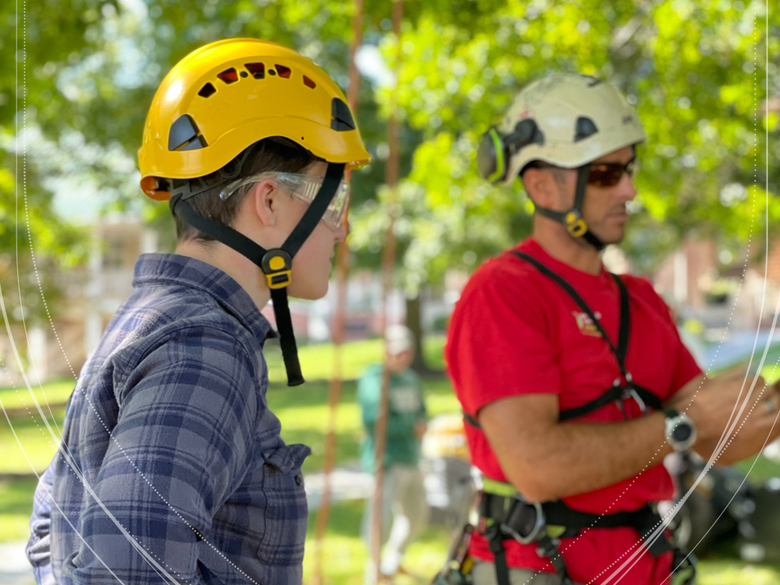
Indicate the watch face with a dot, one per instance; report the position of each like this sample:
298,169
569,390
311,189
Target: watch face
682,432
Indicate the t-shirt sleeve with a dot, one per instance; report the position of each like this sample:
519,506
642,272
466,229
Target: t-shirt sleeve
182,443
685,366
498,343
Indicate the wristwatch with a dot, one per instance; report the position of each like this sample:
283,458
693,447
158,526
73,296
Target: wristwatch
680,430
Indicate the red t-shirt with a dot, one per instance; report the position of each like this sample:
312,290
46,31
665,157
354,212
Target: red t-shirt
516,331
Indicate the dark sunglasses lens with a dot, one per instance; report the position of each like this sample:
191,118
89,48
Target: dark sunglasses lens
609,174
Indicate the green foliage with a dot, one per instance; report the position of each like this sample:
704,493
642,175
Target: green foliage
696,72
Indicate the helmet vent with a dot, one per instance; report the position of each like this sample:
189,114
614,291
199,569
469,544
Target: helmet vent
207,90
228,75
185,135
308,82
256,69
342,118
585,128
283,71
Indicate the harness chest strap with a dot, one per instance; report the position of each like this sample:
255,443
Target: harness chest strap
620,389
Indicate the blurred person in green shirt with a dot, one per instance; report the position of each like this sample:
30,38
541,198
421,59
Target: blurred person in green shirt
403,490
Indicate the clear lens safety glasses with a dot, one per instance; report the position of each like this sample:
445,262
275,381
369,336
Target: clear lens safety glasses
302,187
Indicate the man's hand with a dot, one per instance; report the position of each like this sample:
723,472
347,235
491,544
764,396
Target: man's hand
716,404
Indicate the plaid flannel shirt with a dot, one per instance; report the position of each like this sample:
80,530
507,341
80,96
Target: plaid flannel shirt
171,468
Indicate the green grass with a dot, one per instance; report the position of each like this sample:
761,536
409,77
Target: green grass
732,572
21,398
28,444
317,360
304,414
15,508
345,554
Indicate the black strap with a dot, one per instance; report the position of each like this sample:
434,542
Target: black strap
684,562
520,516
624,322
316,210
471,420
254,252
496,544
548,547
579,201
575,212
220,232
246,247
613,394
617,392
286,337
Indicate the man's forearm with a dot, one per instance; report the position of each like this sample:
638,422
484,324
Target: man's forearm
740,446
572,458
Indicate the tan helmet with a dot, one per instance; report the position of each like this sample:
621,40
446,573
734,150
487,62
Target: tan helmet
566,119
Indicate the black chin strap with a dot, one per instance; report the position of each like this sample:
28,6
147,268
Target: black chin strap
572,218
276,264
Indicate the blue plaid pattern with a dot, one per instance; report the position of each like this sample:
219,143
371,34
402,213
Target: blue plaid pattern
171,468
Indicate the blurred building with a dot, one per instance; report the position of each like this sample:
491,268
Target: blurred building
723,292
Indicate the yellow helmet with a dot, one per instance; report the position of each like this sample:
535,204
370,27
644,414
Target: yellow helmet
226,96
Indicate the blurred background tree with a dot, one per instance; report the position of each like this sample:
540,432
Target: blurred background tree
79,76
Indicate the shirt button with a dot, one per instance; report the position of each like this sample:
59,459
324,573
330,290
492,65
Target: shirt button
298,480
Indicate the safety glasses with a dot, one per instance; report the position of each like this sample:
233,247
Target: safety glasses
602,174
609,174
301,187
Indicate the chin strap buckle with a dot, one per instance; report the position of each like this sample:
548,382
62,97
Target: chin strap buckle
575,224
277,266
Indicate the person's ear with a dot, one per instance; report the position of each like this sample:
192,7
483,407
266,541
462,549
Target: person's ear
538,185
263,199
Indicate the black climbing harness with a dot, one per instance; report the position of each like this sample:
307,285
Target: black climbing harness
504,514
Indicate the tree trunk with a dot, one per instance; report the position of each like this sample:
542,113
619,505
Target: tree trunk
414,322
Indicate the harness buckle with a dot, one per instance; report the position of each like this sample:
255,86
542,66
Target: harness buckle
575,225
277,266
526,522
629,391
638,399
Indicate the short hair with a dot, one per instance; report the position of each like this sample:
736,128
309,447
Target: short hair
267,155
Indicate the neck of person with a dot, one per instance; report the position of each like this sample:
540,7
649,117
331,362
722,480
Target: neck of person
558,243
237,266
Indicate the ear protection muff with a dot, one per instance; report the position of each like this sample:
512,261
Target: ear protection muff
496,148
492,156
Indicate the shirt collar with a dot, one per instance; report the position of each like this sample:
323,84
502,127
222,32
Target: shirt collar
569,273
193,273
